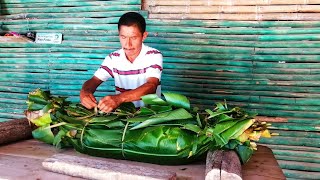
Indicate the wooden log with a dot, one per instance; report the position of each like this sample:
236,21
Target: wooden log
94,168
14,130
213,165
223,165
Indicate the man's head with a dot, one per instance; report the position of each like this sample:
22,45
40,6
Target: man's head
132,19
132,33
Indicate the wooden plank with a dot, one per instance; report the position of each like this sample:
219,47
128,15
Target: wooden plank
28,169
302,166
241,17
241,9
37,4
229,3
297,154
90,168
294,148
14,39
72,9
226,23
305,134
33,149
293,141
41,15
296,174
262,165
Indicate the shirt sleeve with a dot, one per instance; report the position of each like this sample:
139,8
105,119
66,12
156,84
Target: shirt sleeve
155,68
105,70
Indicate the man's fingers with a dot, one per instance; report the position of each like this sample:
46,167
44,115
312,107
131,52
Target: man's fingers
88,105
93,99
106,104
88,102
106,109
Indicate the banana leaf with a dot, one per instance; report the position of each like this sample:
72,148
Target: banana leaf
165,131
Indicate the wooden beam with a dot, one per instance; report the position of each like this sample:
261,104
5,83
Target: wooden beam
14,130
271,119
90,168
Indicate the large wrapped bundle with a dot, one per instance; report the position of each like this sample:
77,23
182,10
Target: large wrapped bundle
165,131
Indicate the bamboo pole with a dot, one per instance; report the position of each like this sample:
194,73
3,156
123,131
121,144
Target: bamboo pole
235,9
242,17
225,3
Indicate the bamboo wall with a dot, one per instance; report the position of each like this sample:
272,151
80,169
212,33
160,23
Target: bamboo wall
264,60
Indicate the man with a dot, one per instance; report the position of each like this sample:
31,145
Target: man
136,68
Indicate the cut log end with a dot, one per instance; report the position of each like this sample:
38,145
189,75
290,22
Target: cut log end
223,165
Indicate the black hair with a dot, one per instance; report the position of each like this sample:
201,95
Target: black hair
133,18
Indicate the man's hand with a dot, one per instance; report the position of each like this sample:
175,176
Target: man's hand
109,103
86,94
87,99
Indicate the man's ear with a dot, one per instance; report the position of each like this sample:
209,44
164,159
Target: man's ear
144,36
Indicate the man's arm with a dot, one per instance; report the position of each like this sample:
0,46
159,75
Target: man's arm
86,94
109,103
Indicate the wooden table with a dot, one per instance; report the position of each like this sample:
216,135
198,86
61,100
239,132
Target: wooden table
23,160
262,166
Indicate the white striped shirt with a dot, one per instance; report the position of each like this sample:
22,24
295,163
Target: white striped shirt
127,75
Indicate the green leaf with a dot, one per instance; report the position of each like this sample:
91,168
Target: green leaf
102,137
43,134
221,107
192,127
103,119
244,153
199,120
214,114
224,117
177,100
221,127
164,117
69,119
237,129
43,120
153,99
37,99
115,124
58,137
47,108
232,144
127,107
34,106
160,108
219,140
138,119
41,94
144,111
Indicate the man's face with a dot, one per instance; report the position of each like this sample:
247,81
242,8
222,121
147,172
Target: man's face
131,40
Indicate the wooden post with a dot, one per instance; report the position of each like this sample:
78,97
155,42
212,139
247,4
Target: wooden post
14,130
223,165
